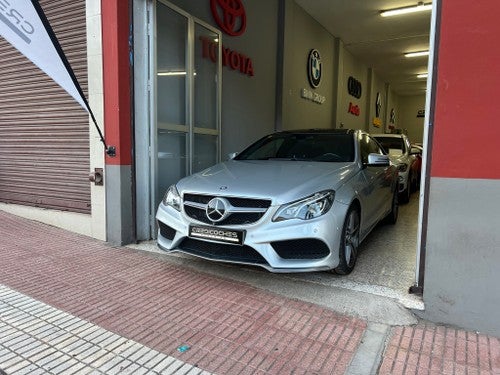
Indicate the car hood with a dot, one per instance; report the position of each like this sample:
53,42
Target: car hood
281,181
398,159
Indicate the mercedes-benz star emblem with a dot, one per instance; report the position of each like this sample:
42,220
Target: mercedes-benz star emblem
217,209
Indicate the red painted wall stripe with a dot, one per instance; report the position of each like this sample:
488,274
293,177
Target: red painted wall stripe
467,114
116,76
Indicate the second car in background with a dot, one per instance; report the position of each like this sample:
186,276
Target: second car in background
398,147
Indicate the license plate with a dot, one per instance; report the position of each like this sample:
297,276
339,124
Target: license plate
217,234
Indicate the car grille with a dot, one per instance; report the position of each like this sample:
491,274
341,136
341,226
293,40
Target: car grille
307,248
236,218
166,231
217,251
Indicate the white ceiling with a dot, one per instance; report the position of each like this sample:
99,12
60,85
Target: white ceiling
379,42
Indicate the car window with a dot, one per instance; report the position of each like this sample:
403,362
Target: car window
369,146
322,147
393,146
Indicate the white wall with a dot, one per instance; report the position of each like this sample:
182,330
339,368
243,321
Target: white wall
407,119
349,66
302,34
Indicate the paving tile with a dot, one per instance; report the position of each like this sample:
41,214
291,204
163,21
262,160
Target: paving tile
441,350
63,351
142,298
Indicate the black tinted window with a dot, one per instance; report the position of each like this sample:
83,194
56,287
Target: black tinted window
302,146
392,143
369,146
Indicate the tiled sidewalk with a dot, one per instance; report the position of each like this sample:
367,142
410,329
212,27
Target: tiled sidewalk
230,327
432,349
38,339
128,312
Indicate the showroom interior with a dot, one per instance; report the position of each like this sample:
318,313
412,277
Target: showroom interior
265,87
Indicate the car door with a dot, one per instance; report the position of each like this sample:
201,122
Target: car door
376,193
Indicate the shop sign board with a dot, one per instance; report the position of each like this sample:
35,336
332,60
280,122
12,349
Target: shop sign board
377,121
230,16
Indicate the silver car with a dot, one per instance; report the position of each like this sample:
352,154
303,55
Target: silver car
398,147
293,201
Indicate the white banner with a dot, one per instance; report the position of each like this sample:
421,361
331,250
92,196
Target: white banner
22,27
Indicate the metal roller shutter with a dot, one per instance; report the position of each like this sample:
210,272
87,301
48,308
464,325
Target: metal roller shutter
44,133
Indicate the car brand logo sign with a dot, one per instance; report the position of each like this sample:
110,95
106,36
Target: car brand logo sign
314,68
217,209
230,16
378,105
354,87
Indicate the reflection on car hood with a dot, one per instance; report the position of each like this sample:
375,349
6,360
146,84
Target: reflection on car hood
399,159
281,181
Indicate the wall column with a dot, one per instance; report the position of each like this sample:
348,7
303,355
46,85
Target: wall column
462,237
117,121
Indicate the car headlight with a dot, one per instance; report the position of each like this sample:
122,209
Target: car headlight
402,167
172,198
308,208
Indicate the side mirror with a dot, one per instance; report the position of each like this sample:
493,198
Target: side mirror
415,151
377,160
232,155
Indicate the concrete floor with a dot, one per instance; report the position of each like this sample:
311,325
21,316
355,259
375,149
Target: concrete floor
386,261
385,266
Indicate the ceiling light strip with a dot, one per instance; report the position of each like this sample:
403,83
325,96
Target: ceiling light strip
417,54
420,7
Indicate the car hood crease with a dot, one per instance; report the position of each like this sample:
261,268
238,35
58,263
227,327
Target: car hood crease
284,180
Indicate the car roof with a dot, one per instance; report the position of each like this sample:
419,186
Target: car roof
389,135
318,131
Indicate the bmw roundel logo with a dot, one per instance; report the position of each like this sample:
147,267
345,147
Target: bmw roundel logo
217,209
314,68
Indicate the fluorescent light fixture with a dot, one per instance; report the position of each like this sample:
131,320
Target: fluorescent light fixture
170,74
420,7
417,54
422,75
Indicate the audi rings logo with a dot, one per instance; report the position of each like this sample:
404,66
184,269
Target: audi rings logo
217,209
230,16
314,68
354,87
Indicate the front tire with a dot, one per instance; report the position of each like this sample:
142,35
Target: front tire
404,197
392,216
349,243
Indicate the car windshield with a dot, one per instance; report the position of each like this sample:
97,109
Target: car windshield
392,145
321,147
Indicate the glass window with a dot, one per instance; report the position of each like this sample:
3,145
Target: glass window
171,66
369,146
206,151
187,88
302,146
392,145
172,158
205,78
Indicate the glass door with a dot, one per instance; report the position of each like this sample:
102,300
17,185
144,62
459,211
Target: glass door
186,98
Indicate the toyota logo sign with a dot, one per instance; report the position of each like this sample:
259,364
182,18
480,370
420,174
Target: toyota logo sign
217,209
230,16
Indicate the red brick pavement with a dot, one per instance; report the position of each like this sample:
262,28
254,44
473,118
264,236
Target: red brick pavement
432,349
231,328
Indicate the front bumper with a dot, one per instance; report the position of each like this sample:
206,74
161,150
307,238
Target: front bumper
288,246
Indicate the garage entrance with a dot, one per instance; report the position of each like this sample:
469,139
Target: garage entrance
367,83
